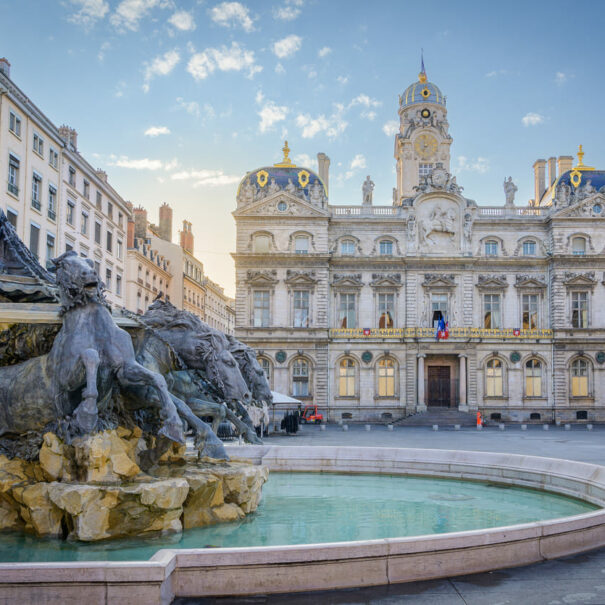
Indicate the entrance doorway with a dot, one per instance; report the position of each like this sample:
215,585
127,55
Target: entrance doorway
439,387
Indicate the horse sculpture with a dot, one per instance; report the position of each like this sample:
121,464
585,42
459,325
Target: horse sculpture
89,356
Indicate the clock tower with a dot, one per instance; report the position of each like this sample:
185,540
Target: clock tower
423,140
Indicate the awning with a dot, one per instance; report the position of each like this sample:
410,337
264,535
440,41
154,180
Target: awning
281,398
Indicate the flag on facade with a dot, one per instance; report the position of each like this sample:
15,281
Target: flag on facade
443,330
516,332
366,331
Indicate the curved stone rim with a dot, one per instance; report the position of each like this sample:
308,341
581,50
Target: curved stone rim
309,567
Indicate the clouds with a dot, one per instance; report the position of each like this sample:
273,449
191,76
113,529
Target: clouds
532,119
235,58
156,131
289,10
162,65
287,46
358,162
183,21
331,126
206,178
90,11
390,128
232,14
561,78
129,12
123,161
480,165
324,52
270,114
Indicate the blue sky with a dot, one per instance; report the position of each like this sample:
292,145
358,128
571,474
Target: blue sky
177,99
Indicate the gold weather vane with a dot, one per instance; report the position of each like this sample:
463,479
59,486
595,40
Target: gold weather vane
576,174
286,162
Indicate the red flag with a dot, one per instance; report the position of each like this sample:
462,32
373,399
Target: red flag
516,332
366,331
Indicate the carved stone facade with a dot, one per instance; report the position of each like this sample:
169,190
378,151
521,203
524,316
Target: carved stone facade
522,289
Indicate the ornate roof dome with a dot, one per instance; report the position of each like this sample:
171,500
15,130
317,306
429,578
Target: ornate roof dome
422,91
299,181
581,178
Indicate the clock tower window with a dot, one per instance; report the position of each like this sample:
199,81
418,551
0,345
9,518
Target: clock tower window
424,170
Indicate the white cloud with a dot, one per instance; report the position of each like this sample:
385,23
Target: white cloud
191,107
142,164
333,125
365,101
342,80
280,69
496,72
270,114
306,161
90,12
236,58
161,66
287,46
390,128
259,97
206,178
562,78
156,131
232,14
129,12
101,54
368,115
289,10
480,165
358,162
532,119
324,52
183,21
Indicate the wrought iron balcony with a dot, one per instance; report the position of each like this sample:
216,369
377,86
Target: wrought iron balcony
454,333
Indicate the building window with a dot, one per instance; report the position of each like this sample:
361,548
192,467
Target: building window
84,223
386,310
53,158
300,378
50,248
529,248
346,378
71,210
120,247
438,309
86,189
578,246
13,175
118,284
108,279
424,170
120,219
529,311
14,124
533,378
97,232
52,203
69,245
579,378
386,248
34,239
83,251
347,317
493,378
491,312
109,241
491,248
301,308
12,217
72,176
262,244
109,209
39,144
386,377
99,200
98,267
301,244
36,188
579,309
347,247
266,366
261,315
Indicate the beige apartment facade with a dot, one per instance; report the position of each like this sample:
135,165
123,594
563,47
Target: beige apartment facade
344,304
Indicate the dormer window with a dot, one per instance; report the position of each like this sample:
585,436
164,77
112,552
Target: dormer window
529,248
301,244
347,247
386,248
261,244
491,248
578,246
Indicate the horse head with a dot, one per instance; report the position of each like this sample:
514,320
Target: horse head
251,370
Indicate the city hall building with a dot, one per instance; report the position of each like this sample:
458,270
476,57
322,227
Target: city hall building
343,303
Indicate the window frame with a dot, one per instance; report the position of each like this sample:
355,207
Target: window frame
347,378
537,378
528,243
383,309
494,325
348,243
494,378
344,317
301,378
491,243
577,314
386,374
263,319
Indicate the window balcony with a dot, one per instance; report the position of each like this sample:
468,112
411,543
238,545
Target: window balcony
52,215
454,333
36,204
13,189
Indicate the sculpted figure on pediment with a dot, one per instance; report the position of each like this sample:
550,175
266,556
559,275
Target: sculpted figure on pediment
440,220
273,187
316,194
290,187
562,195
247,192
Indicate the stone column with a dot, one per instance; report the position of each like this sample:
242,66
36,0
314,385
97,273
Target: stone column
421,405
463,405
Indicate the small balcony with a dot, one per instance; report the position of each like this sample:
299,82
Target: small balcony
36,204
454,333
13,189
52,215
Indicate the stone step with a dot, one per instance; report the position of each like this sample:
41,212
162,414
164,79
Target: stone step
440,416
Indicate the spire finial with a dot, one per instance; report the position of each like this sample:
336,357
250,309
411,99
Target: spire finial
580,156
286,162
422,75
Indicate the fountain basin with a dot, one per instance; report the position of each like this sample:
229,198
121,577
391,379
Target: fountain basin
224,571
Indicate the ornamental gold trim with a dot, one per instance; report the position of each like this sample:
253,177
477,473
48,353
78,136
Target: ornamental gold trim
303,178
262,176
426,93
575,177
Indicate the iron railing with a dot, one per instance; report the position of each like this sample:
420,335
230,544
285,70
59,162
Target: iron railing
464,333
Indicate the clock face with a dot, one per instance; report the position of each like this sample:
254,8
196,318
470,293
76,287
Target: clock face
425,113
425,146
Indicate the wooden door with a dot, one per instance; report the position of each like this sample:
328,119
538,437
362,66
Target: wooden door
439,386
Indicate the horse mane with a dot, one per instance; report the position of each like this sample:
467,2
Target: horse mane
164,315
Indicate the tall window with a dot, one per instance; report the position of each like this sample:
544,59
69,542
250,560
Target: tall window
579,309
261,311
109,242
300,378
578,246
34,239
347,315
262,244
119,249
52,202
533,378
99,201
491,311
493,378
346,378
529,311
71,210
386,377
438,308
529,248
347,247
386,248
266,366
36,190
491,248
301,308
386,310
14,124
579,378
86,189
72,176
97,232
13,175
118,284
301,244
110,210
50,247
84,223
38,144
108,279
424,170
12,217
53,158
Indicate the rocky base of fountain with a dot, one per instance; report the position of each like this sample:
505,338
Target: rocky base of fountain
94,489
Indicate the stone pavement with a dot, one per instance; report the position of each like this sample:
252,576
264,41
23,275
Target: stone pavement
578,580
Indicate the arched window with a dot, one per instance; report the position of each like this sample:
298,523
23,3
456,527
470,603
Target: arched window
262,243
386,247
347,247
386,377
266,366
346,378
579,378
491,247
493,378
300,378
529,248
578,246
301,244
533,378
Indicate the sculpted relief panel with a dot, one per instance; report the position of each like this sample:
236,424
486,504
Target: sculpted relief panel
438,226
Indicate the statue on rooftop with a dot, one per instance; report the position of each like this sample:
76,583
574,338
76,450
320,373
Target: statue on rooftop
509,191
368,191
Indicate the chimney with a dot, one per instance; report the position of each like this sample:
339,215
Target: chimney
165,229
565,163
130,234
539,179
101,174
187,237
552,171
323,162
69,135
5,67
140,222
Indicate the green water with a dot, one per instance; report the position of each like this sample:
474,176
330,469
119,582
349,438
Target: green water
306,508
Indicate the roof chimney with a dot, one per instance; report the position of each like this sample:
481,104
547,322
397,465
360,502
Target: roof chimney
565,163
539,180
165,229
552,171
323,163
101,174
187,237
5,67
140,222
69,135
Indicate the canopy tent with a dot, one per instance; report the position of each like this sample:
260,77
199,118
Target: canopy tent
281,398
